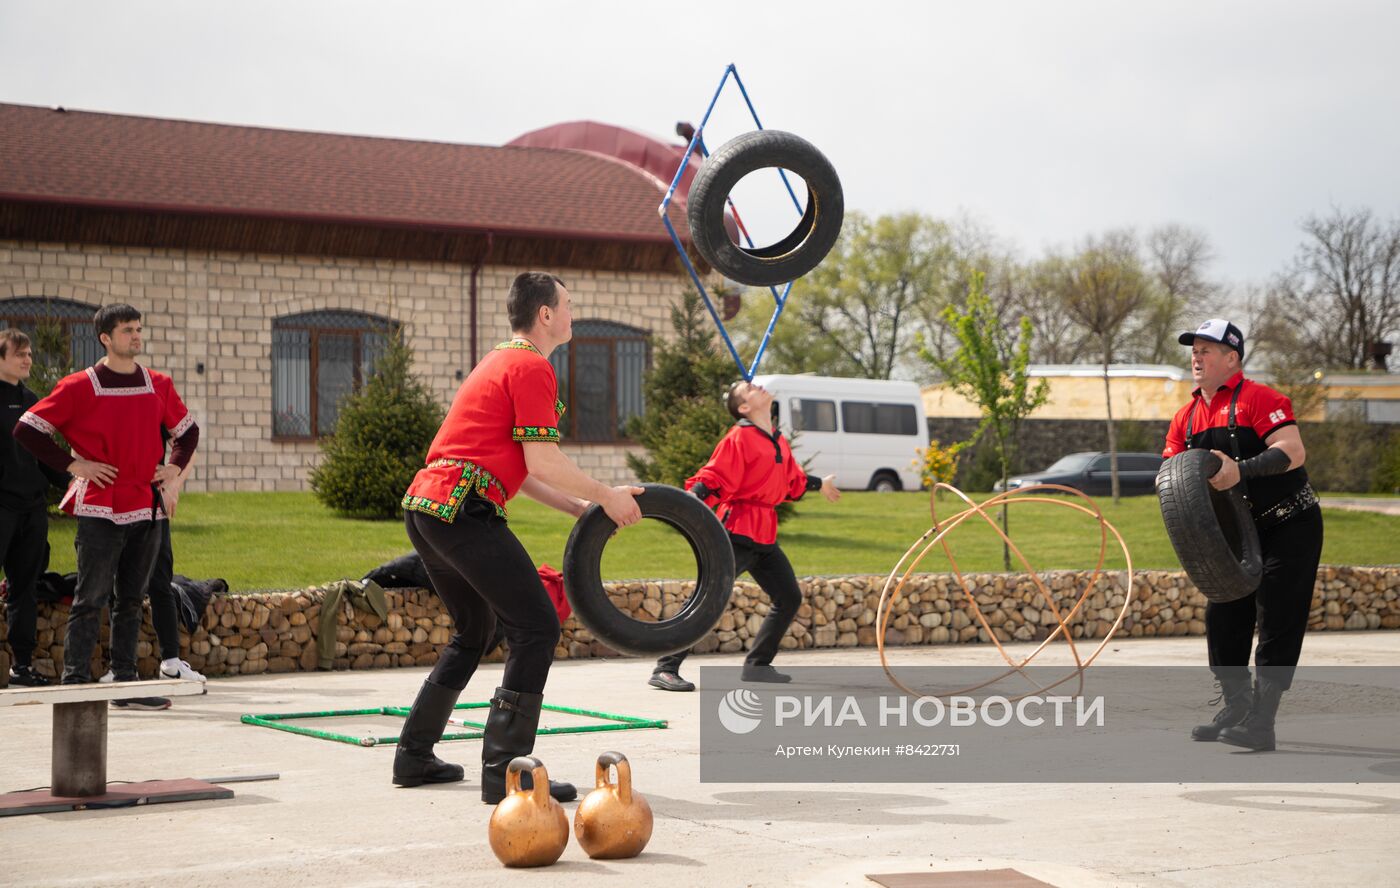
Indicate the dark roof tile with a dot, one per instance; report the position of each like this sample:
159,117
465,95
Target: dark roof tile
90,159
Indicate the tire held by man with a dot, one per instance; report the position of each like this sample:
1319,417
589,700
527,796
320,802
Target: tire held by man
1211,530
583,583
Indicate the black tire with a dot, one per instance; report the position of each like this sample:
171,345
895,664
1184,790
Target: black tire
885,482
583,583
793,256
1212,531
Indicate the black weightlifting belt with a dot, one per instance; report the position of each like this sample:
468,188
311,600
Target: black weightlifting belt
1286,508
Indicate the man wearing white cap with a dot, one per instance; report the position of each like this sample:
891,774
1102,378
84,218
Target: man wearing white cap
1252,429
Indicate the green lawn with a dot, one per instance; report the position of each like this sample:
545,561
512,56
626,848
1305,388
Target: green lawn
286,540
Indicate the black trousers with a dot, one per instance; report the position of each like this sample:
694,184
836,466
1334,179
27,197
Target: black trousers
770,568
484,575
1279,607
24,549
108,554
165,609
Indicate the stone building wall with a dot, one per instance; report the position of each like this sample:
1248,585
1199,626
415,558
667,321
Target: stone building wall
216,308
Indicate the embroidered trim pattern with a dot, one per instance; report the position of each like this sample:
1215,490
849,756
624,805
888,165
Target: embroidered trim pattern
83,509
559,408
474,477
100,390
38,422
518,343
183,425
527,434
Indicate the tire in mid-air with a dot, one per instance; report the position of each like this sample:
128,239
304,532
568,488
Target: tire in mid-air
793,256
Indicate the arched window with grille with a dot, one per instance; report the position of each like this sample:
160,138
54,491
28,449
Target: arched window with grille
318,358
600,379
61,332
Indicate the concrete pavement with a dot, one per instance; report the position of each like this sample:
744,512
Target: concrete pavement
334,819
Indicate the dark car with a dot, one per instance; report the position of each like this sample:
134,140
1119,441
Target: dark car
1090,472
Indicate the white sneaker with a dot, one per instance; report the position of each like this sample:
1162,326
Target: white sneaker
108,678
179,669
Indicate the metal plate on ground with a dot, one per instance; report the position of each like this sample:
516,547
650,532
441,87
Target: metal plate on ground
118,795
997,878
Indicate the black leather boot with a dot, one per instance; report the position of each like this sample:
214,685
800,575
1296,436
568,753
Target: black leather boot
1236,693
414,762
510,732
1256,732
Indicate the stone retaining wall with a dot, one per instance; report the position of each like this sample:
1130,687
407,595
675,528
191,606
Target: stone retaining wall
275,632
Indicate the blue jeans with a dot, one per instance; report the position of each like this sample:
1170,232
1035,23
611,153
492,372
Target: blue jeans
110,557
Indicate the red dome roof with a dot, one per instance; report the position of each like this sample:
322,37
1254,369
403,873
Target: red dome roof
658,158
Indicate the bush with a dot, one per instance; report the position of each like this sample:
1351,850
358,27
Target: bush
1343,452
52,362
52,359
981,471
380,440
1134,437
938,463
1387,478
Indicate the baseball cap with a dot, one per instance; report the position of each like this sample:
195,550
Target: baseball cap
1216,330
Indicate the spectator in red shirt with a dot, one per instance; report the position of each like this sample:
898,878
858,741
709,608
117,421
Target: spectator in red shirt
500,437
1251,428
111,415
750,473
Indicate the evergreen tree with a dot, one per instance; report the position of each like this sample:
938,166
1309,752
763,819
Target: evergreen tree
52,357
380,440
53,360
684,391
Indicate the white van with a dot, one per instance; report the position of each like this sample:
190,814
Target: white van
867,432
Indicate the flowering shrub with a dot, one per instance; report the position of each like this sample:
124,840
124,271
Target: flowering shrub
938,463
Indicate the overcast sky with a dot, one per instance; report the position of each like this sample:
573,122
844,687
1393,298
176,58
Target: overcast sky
1045,120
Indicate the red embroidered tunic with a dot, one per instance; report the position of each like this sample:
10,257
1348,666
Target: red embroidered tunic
509,399
117,425
748,476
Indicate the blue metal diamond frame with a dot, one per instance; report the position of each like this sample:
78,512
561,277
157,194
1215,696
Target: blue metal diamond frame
697,143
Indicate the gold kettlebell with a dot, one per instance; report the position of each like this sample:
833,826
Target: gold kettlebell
528,827
613,821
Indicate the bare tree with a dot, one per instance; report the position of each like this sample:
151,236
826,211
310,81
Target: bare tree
1103,288
1059,338
1274,343
1342,294
1177,257
971,248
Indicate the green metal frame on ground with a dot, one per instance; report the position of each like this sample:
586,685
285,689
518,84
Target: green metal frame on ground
275,721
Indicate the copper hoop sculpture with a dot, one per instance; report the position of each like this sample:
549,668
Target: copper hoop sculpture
939,533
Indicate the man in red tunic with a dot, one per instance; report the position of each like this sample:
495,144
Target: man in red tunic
750,473
500,437
111,414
